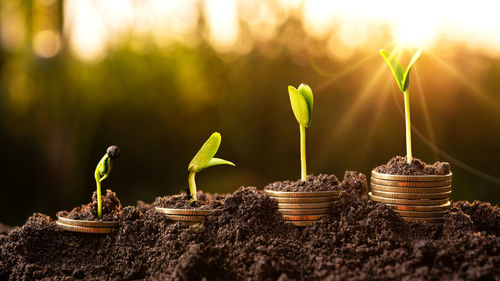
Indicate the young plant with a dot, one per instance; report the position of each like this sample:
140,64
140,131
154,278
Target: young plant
302,106
202,160
403,80
102,172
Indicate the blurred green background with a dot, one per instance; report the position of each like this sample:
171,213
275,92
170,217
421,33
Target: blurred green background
158,77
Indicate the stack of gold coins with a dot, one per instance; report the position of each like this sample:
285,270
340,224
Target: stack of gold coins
187,216
86,226
303,208
415,198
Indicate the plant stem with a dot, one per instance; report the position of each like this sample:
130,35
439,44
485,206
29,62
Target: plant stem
99,200
409,156
303,152
192,187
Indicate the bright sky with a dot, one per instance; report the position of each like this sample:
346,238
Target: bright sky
93,25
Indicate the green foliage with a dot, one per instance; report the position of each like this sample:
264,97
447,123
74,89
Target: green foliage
217,161
205,156
103,168
202,160
402,77
102,172
301,100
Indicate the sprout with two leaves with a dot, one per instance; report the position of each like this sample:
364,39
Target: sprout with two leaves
403,80
202,160
301,100
102,172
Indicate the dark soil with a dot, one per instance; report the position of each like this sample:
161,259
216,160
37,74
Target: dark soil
111,209
206,201
321,182
248,240
398,166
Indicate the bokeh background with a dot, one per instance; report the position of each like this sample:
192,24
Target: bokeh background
158,77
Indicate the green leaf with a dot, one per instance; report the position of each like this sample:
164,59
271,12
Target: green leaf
302,103
397,69
217,161
306,91
205,154
406,76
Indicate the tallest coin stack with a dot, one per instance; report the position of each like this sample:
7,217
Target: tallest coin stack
423,198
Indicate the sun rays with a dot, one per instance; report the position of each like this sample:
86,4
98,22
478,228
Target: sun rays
474,90
373,97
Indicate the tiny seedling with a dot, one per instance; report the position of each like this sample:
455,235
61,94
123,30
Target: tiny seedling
102,172
302,106
403,80
202,160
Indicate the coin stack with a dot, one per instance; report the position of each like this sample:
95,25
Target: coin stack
415,198
187,216
303,208
85,226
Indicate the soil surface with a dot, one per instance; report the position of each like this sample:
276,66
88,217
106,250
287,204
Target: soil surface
359,240
111,209
398,166
320,182
206,201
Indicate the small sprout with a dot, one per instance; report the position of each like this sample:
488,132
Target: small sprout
102,172
202,160
301,100
403,80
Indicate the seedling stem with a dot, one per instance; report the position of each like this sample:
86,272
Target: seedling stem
303,152
409,156
192,187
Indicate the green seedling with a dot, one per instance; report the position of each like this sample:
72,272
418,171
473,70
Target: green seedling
301,100
202,160
403,80
102,172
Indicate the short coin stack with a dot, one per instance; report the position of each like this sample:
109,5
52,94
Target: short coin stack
86,226
303,208
187,216
422,198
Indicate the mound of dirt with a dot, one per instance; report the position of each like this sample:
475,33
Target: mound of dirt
111,209
359,240
398,166
320,182
181,201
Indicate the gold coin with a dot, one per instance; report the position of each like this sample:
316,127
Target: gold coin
435,214
284,194
410,189
411,208
84,229
428,220
305,205
185,218
304,200
418,202
302,223
189,222
185,212
302,218
432,178
401,195
411,183
303,211
87,223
